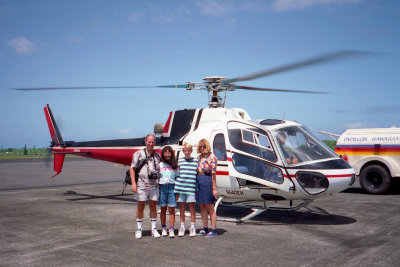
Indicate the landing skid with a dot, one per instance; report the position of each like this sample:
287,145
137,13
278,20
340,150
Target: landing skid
256,209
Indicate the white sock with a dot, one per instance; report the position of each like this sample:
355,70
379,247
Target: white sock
183,224
153,223
192,225
139,223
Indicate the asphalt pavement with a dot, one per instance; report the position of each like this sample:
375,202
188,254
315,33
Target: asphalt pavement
80,218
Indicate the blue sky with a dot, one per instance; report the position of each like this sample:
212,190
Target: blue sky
122,43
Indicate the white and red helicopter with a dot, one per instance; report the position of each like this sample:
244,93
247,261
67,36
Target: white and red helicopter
267,161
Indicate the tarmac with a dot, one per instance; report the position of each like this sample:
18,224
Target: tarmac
80,218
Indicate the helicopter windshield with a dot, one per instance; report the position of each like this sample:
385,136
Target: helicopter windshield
297,145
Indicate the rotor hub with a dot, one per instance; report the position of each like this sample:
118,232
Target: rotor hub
213,79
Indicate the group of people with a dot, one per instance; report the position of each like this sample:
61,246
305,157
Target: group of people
166,180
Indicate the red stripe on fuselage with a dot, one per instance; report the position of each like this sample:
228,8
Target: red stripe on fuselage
327,176
111,154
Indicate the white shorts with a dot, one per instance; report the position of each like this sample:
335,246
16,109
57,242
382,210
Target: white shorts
144,194
186,198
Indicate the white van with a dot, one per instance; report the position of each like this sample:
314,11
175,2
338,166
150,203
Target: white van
374,155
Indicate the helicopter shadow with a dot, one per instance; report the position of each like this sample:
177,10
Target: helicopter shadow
306,216
83,197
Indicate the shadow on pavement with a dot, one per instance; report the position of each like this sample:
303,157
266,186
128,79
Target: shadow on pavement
80,197
306,216
303,216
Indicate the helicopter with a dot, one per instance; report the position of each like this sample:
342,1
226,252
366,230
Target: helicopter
267,161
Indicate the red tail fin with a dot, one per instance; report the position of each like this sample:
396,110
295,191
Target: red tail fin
58,163
54,132
56,140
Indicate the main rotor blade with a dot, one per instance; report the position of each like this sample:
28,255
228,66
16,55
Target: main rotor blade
313,61
100,87
278,90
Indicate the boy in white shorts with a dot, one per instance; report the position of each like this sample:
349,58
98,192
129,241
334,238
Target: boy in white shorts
185,187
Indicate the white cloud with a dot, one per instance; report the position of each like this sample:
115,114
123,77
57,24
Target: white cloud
216,8
136,16
74,39
382,109
230,22
22,45
123,131
162,18
355,125
284,5
152,13
220,8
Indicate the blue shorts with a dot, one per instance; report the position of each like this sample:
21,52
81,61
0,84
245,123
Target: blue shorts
186,198
167,196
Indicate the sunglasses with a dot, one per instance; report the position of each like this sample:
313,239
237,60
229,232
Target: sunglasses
202,147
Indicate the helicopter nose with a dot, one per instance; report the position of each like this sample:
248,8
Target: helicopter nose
312,182
315,183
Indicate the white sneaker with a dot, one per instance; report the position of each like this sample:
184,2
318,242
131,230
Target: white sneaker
138,234
164,232
192,231
171,233
181,231
155,233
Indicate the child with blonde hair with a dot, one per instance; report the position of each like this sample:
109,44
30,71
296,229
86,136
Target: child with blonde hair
185,187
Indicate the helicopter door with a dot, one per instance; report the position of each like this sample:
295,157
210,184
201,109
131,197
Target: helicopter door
219,149
254,159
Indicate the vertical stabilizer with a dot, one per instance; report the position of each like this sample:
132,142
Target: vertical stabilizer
55,134
58,163
56,140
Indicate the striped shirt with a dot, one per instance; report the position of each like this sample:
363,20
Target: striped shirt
186,180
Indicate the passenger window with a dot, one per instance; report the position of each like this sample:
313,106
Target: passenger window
219,147
257,168
251,140
247,136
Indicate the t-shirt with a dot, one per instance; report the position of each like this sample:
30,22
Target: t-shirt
152,165
186,180
167,174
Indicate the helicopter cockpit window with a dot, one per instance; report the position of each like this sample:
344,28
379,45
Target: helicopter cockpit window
251,140
219,147
298,145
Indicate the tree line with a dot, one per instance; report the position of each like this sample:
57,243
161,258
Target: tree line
23,151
